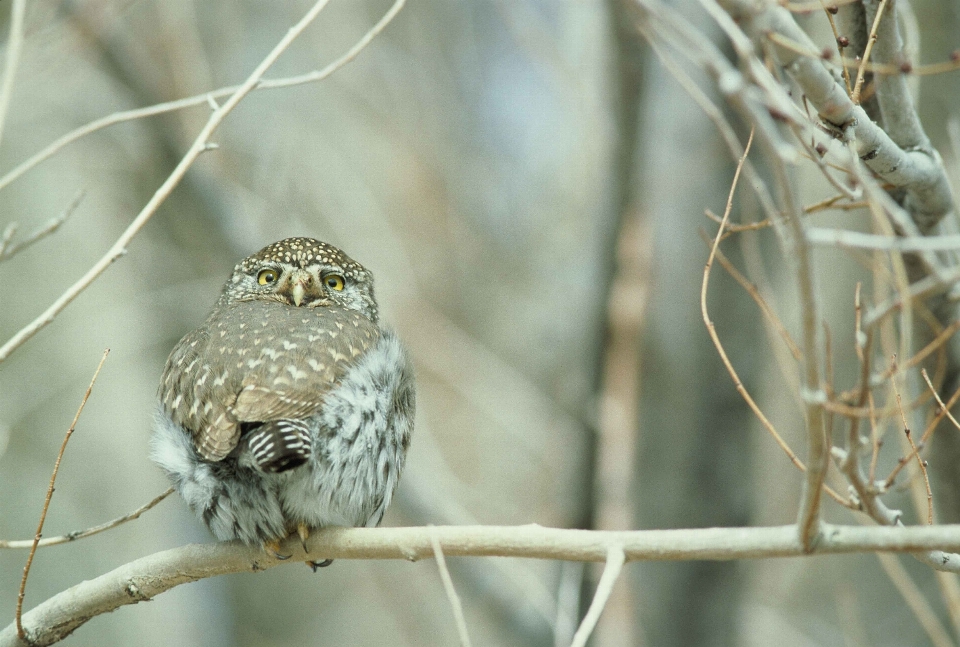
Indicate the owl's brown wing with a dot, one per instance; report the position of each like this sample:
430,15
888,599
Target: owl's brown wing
320,347
196,397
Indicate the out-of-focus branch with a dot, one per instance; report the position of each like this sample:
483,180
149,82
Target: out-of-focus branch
49,497
80,534
200,144
201,99
8,248
859,240
611,571
14,46
149,576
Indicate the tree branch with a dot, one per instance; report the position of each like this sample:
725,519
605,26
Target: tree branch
200,144
920,172
149,576
14,46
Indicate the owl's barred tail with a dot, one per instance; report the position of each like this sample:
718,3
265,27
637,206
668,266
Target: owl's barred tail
279,445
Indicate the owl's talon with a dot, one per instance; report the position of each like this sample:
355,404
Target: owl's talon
304,533
316,565
272,548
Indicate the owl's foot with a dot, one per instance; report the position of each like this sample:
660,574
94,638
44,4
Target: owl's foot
304,533
316,565
272,548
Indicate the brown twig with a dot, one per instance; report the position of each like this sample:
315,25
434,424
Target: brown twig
754,293
838,41
876,441
928,432
871,40
46,502
711,330
926,351
887,69
80,534
914,451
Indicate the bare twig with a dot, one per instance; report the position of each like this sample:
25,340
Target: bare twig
944,411
711,330
871,40
9,249
196,149
18,10
207,98
46,502
914,451
615,561
452,596
80,534
754,293
944,408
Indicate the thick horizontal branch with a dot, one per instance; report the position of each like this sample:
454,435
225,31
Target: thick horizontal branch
149,576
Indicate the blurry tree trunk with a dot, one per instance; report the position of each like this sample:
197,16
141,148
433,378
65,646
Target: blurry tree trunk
693,463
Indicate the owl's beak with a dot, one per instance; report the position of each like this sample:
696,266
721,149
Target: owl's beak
302,287
299,289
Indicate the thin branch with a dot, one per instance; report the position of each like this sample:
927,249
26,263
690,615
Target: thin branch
711,330
922,354
615,561
207,98
49,497
14,46
9,249
754,293
858,240
149,576
871,40
452,596
200,145
944,408
915,451
944,411
80,534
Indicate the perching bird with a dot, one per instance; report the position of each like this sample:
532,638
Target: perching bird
290,408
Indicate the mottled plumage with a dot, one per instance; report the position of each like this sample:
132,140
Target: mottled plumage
290,408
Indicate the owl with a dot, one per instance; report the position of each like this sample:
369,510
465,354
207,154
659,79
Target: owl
291,408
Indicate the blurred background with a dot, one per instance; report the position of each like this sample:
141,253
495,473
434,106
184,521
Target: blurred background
526,182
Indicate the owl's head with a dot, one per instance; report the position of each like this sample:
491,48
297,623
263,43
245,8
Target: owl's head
303,273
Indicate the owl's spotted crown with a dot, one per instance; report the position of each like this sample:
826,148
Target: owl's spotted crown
302,252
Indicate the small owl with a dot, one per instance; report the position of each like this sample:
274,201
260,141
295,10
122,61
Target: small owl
290,408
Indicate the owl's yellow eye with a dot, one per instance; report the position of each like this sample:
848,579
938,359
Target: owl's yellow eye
266,277
334,281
